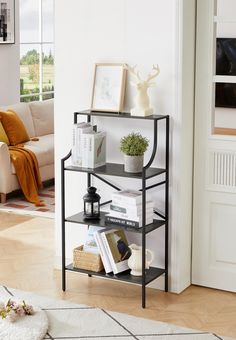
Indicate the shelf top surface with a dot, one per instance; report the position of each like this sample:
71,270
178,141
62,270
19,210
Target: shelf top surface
115,169
119,115
79,218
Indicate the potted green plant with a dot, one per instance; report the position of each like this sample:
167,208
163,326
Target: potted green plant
133,146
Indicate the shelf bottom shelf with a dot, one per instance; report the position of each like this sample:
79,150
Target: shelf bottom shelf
151,274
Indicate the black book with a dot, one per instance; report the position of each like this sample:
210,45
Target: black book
121,221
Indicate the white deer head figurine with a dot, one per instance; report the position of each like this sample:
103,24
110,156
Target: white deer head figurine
142,105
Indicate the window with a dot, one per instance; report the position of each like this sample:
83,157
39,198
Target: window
36,50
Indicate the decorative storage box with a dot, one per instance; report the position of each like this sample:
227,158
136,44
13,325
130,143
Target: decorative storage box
87,261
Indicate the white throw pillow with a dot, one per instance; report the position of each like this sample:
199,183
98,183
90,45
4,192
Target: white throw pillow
23,111
43,117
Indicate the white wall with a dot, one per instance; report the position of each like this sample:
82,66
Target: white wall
135,32
9,67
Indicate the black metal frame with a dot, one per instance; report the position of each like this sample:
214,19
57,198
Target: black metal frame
155,272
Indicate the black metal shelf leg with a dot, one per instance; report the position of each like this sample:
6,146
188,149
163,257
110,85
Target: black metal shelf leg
89,185
167,206
63,256
144,239
63,238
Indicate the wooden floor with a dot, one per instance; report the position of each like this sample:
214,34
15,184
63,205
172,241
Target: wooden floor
26,262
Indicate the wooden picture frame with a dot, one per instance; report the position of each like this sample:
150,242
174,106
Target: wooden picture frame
7,22
108,87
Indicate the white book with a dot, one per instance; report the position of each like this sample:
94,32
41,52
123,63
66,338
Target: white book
74,142
78,130
117,249
87,149
102,250
93,149
149,218
131,209
134,217
132,197
88,128
90,244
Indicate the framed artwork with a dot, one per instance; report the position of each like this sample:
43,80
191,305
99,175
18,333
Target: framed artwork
108,87
7,22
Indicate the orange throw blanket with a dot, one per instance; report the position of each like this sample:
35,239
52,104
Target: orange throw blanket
27,172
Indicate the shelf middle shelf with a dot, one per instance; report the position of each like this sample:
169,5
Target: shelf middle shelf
79,219
116,169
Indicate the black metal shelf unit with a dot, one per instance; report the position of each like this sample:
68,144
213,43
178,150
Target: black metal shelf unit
114,169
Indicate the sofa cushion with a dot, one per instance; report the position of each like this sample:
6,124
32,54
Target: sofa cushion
43,150
43,117
3,135
24,113
14,127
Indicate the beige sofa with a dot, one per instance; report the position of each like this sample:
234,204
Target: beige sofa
38,121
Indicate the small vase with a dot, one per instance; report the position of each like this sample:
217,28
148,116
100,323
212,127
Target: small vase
133,163
135,260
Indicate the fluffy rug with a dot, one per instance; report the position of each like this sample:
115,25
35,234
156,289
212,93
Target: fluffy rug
33,327
72,321
20,205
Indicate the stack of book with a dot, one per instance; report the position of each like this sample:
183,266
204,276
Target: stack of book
112,245
89,146
126,209
93,149
78,130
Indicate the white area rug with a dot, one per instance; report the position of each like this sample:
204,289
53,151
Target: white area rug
69,321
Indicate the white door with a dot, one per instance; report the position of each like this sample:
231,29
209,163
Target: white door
214,201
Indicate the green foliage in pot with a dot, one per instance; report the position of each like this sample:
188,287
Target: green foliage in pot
134,144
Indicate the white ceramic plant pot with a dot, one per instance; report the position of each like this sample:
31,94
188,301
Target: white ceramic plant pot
133,163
